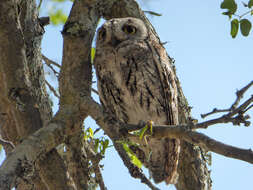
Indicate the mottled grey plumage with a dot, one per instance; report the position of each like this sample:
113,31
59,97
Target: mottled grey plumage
136,82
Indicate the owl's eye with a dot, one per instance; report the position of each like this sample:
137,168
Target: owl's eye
102,34
128,29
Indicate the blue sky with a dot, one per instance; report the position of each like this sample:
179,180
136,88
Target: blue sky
211,66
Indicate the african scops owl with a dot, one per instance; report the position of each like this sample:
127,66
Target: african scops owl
136,82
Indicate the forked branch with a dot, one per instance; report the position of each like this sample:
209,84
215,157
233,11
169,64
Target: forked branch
239,96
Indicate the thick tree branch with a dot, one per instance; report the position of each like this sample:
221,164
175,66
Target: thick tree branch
204,141
29,151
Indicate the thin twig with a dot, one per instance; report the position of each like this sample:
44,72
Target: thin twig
239,96
95,159
229,116
52,89
50,62
215,110
40,3
7,143
244,14
95,91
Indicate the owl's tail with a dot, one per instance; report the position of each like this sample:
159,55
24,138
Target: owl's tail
167,171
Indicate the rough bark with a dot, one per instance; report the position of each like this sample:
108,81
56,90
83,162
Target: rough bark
24,100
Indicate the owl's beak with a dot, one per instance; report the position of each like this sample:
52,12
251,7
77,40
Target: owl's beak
115,42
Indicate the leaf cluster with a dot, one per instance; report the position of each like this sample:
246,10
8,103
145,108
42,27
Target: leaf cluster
99,145
238,21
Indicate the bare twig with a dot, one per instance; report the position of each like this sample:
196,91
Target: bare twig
227,118
7,143
50,62
95,159
215,110
239,96
52,89
99,178
40,3
95,91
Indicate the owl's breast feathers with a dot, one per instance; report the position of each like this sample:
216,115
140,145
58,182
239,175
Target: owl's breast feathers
136,83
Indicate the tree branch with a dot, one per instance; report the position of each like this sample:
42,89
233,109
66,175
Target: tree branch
31,149
239,96
49,62
52,89
95,159
204,141
240,118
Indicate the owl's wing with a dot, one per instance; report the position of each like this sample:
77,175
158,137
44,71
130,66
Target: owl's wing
167,77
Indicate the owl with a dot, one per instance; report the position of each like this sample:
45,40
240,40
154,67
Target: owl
136,82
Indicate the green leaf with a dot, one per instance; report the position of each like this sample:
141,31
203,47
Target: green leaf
136,161
96,145
105,144
250,3
234,27
125,146
58,17
142,131
132,156
85,136
90,133
230,5
245,26
92,54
